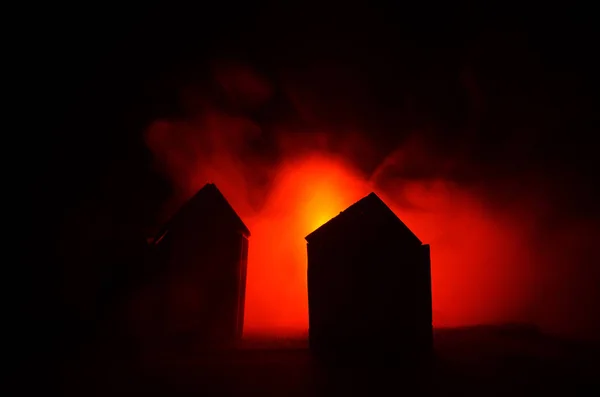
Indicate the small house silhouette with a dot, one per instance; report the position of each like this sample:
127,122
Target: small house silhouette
203,252
369,285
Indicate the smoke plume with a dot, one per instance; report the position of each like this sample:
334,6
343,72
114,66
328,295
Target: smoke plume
289,154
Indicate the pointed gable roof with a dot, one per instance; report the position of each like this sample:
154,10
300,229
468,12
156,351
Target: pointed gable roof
209,198
367,210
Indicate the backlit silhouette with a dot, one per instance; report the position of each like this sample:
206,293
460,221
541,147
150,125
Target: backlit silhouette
369,284
205,249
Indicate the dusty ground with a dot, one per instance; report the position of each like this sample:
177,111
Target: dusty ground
470,361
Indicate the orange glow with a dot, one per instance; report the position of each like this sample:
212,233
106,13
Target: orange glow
489,264
307,193
477,255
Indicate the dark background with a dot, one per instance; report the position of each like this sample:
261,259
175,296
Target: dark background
93,77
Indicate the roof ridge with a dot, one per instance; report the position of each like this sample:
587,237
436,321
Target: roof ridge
371,197
203,190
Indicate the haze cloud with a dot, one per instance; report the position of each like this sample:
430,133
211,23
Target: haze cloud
292,151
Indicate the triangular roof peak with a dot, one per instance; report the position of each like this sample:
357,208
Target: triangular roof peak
207,194
369,206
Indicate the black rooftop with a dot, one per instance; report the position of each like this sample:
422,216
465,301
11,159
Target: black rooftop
208,195
369,206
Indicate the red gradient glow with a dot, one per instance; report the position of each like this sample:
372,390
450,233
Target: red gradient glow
479,273
307,193
489,263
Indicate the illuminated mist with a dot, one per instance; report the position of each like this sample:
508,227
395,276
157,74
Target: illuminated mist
490,263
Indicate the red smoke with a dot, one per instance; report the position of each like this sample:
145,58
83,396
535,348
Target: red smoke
486,261
307,193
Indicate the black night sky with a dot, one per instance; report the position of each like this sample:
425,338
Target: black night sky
503,97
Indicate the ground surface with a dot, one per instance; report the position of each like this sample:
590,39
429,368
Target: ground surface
471,361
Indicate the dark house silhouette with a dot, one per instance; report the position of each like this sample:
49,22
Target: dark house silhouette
369,285
202,253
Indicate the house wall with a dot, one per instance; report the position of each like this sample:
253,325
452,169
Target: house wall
427,295
241,304
203,285
368,292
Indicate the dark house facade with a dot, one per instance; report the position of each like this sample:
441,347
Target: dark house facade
369,285
202,255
